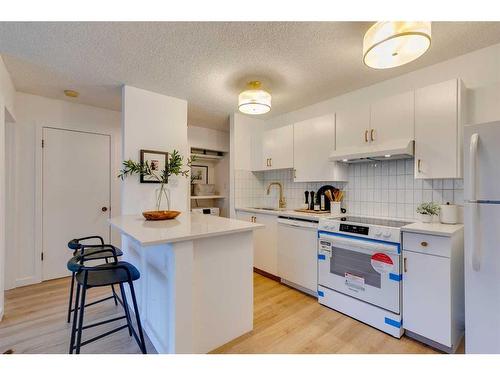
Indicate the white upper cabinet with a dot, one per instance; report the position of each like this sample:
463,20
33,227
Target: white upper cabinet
391,119
438,130
273,149
352,128
313,142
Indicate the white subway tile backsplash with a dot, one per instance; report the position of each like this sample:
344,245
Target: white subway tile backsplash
437,184
384,189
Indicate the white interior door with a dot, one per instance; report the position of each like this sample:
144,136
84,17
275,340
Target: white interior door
76,193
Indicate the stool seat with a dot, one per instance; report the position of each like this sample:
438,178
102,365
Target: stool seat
96,253
118,274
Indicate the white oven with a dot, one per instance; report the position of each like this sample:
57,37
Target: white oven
364,268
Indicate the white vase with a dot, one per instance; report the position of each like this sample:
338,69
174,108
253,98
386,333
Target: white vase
426,218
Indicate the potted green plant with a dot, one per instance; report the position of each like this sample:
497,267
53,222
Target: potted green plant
428,210
174,167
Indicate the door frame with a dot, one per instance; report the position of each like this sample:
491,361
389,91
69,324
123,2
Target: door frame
38,222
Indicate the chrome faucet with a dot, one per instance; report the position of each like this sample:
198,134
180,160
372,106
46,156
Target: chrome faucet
282,201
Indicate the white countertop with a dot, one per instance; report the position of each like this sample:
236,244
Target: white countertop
185,227
285,212
436,229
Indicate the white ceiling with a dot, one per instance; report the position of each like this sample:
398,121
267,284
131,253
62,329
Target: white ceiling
208,64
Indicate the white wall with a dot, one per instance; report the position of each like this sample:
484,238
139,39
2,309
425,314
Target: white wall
242,131
8,92
152,122
479,71
34,112
6,114
208,139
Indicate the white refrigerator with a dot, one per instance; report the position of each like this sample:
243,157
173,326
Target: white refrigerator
482,237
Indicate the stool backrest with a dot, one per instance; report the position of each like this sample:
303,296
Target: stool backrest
76,264
76,243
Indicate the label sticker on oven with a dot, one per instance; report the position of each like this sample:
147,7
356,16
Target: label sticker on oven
382,263
354,282
325,247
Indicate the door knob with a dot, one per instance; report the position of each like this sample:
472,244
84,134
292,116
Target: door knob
104,209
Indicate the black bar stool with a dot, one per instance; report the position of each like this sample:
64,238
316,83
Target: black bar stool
117,272
92,253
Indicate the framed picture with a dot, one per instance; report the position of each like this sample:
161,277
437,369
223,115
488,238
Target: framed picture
157,160
199,174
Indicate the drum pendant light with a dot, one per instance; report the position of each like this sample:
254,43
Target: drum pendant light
254,100
389,44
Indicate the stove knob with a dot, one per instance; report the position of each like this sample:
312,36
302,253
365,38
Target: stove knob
387,234
378,233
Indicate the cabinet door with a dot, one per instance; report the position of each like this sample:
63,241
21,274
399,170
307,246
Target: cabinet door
265,244
392,119
258,162
313,142
427,296
436,131
352,127
245,216
279,147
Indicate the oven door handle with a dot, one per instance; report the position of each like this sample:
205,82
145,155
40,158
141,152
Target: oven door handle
351,243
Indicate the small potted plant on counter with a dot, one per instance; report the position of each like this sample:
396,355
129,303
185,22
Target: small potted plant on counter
428,210
174,167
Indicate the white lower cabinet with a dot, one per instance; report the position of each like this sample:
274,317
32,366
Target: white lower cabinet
433,300
265,256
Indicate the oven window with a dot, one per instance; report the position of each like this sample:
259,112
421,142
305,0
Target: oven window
355,263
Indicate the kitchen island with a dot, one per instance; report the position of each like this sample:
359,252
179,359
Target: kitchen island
196,287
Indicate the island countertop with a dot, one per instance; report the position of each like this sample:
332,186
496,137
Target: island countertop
185,227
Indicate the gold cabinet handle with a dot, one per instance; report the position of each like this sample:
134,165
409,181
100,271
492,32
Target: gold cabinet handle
404,265
270,162
366,136
424,243
372,132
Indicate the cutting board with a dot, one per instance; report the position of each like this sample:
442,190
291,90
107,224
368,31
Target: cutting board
311,211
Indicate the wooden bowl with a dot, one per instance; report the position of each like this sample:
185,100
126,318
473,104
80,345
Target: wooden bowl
160,215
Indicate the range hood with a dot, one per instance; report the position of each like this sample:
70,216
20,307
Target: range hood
397,149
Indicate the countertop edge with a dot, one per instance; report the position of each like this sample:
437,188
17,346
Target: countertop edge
248,228
433,229
290,213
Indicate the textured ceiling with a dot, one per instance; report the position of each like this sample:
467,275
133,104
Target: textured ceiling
208,63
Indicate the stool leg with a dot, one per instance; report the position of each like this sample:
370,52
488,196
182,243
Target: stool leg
138,318
75,316
125,307
71,295
113,289
80,318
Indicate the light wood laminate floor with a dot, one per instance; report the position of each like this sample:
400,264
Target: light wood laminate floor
285,321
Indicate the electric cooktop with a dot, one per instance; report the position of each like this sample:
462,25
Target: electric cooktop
374,221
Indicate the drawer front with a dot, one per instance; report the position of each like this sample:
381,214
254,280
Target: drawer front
427,244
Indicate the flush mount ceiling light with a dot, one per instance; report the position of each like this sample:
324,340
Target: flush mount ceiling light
254,100
71,93
389,44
